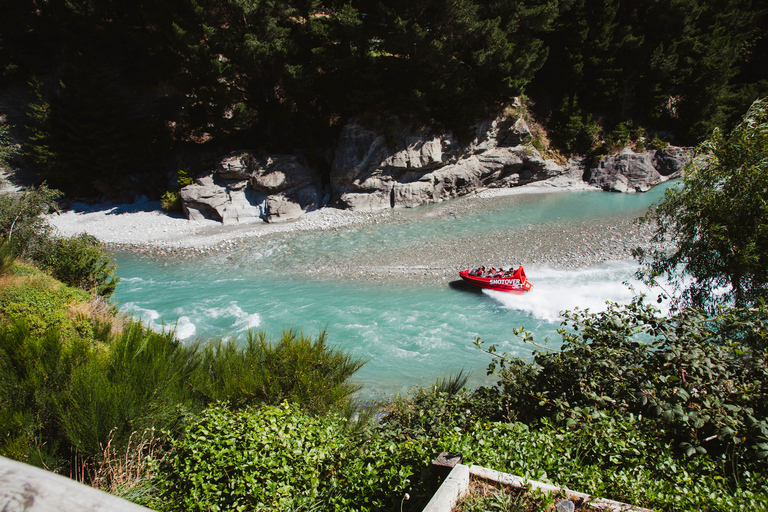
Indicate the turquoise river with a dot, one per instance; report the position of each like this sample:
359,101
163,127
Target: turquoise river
411,332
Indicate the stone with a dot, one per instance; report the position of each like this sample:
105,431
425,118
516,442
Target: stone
638,172
671,161
406,168
291,204
278,173
245,188
227,201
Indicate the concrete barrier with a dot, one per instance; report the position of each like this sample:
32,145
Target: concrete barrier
27,488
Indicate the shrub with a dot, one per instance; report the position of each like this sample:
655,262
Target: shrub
7,257
428,411
34,376
82,262
613,456
281,458
619,138
270,459
171,201
298,368
39,301
573,132
21,219
701,379
140,382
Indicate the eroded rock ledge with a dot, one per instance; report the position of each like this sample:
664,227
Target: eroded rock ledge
374,171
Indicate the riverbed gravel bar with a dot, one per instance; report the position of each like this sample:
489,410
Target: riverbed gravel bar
145,230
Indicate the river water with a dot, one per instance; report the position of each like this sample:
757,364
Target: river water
410,331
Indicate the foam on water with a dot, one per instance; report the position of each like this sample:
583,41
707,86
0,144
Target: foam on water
185,329
555,291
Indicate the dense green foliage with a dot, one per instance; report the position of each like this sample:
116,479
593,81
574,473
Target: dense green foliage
613,456
21,218
717,219
701,379
123,91
71,385
680,67
79,261
280,458
82,262
298,368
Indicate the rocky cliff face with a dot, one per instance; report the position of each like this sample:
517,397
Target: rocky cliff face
411,168
423,168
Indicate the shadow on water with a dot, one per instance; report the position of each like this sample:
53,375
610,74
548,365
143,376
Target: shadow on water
465,287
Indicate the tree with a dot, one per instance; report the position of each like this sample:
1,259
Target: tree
717,220
7,146
21,214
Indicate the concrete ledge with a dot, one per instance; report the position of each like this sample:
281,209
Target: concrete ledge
450,491
456,486
27,488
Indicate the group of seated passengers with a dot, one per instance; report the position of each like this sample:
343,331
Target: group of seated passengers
492,272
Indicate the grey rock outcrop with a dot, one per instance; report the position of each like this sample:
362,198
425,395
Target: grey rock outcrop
639,172
423,167
245,188
412,167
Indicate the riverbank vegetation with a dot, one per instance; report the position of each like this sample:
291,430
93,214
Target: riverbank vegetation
108,99
666,411
662,410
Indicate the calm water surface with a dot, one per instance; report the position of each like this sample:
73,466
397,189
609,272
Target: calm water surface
410,333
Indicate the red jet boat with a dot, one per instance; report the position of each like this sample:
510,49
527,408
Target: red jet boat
514,282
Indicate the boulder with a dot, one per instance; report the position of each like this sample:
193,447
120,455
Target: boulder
245,188
638,172
230,201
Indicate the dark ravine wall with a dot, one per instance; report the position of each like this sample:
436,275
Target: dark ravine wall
375,171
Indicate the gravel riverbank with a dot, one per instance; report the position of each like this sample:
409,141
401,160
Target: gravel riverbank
146,230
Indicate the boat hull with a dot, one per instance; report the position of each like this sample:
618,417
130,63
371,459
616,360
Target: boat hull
516,284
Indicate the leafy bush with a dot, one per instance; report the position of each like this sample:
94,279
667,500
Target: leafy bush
428,411
82,262
140,382
171,201
271,459
701,379
70,386
574,133
34,376
613,456
281,458
619,138
7,257
39,301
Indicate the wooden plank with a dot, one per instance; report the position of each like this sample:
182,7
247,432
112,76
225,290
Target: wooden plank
27,488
